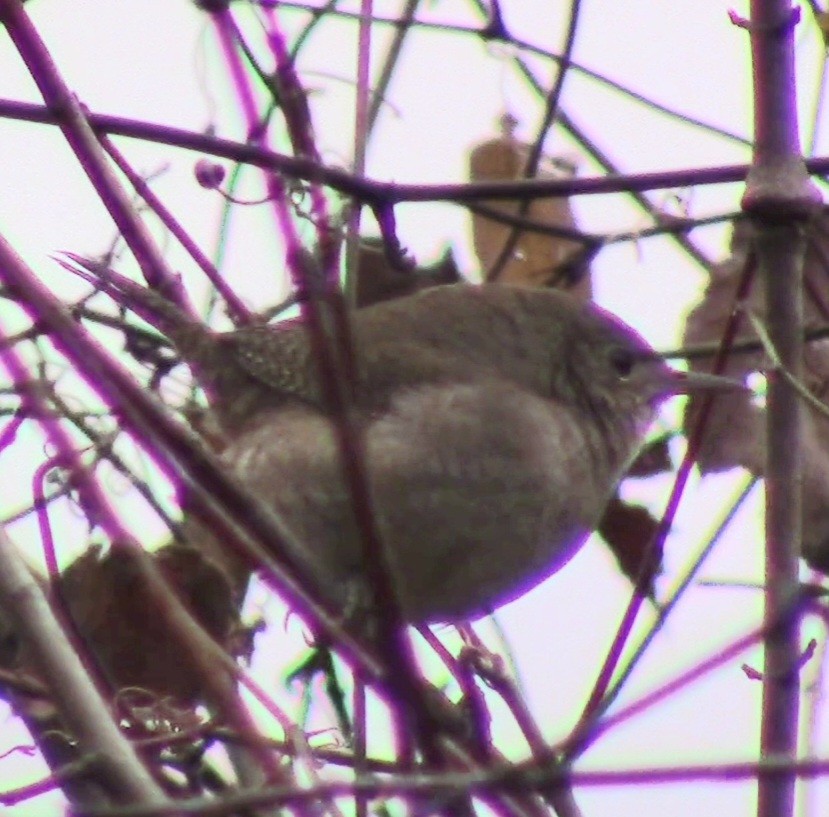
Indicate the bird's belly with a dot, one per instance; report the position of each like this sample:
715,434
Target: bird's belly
478,493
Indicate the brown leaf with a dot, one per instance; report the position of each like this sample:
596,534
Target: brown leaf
537,259
653,459
735,431
113,610
378,281
628,530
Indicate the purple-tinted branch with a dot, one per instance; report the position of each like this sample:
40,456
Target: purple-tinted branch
667,606
600,697
530,170
240,314
193,640
328,321
9,432
504,778
294,103
494,30
685,679
379,193
779,199
75,696
234,516
227,33
602,158
62,776
73,122
92,498
177,452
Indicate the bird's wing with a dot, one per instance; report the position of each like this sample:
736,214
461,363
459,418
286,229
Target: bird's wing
278,357
282,359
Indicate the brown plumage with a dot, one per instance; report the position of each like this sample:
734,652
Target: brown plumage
496,422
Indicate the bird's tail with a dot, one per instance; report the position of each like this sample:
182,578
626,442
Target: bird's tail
191,338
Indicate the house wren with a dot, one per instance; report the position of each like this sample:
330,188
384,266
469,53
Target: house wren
495,423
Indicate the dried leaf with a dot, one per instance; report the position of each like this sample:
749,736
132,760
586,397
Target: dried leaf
378,281
821,18
537,259
628,530
735,432
113,610
653,459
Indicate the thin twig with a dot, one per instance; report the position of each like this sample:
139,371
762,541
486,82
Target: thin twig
796,383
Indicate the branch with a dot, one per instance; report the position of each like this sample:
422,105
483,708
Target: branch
780,199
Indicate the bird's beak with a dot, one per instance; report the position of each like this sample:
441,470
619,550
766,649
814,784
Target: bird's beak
678,382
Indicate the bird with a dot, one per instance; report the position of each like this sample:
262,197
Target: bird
495,422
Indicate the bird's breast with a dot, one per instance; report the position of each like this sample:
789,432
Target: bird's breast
480,491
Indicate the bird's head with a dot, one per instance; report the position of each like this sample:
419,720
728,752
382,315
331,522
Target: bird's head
609,370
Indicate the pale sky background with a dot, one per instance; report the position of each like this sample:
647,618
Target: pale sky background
158,60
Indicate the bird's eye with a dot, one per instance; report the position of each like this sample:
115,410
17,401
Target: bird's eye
622,361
